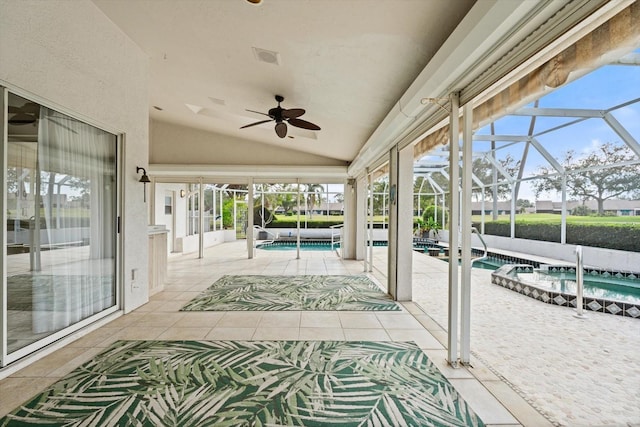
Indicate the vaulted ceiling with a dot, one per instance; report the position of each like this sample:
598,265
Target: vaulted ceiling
358,67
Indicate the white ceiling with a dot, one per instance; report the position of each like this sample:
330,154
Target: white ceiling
347,62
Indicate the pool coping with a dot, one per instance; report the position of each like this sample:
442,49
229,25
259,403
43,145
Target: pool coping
502,278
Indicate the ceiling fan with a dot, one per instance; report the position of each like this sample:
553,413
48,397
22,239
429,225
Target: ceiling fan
283,116
29,114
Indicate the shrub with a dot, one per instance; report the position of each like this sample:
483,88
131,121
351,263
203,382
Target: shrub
623,237
429,213
581,210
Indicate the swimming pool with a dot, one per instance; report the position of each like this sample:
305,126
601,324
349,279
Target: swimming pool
305,245
604,291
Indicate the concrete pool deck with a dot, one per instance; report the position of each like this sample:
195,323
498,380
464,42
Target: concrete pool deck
576,372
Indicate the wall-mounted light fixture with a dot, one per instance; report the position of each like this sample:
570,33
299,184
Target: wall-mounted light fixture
183,193
144,180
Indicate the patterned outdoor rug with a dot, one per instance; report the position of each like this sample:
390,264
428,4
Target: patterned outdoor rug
292,293
251,383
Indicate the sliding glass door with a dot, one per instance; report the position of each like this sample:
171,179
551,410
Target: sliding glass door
60,225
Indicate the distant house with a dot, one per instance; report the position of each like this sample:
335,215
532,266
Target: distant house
504,208
324,208
612,207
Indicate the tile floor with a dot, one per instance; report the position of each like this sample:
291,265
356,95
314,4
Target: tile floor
491,398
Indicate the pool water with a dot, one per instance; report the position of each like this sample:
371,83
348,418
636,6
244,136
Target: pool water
291,246
609,288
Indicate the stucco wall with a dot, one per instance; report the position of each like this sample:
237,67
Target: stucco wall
174,144
71,57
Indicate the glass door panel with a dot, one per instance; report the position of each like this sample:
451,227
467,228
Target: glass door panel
61,217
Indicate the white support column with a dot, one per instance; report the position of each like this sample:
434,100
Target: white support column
512,214
370,222
361,219
249,230
454,215
298,222
200,219
400,223
392,254
214,207
563,213
465,282
349,234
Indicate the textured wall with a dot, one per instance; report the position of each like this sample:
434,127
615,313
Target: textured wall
174,144
71,57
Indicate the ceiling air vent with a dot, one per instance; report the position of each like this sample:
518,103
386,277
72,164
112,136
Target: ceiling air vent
268,56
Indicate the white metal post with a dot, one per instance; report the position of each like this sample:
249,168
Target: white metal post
465,288
563,218
370,220
454,215
249,229
298,221
200,218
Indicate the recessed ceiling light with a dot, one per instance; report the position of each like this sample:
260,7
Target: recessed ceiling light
217,101
254,1
268,56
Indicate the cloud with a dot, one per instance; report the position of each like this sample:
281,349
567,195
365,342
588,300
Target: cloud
592,147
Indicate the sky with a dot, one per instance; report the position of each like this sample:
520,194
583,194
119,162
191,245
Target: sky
601,89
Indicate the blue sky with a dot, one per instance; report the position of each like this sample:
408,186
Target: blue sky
601,89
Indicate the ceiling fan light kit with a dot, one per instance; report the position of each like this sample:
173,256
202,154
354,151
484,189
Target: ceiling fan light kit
283,116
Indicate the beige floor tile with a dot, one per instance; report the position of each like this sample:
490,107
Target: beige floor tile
174,333
171,306
85,356
231,334
422,338
126,320
45,366
151,306
483,402
193,319
516,404
320,334
439,359
361,334
240,319
137,333
280,319
160,319
428,322
398,321
319,319
359,320
276,334
94,338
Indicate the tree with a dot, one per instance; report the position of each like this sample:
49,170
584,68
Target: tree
483,170
314,196
600,175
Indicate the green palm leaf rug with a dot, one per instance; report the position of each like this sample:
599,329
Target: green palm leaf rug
287,293
251,383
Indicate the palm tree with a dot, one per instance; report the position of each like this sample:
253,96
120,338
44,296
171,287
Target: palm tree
314,196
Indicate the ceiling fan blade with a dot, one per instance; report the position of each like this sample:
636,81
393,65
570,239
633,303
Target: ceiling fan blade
281,129
258,112
22,119
293,113
303,124
256,123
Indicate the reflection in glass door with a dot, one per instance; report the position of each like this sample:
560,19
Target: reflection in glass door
60,223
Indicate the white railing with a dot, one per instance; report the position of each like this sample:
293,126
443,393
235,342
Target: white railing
579,282
486,252
336,237
257,228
